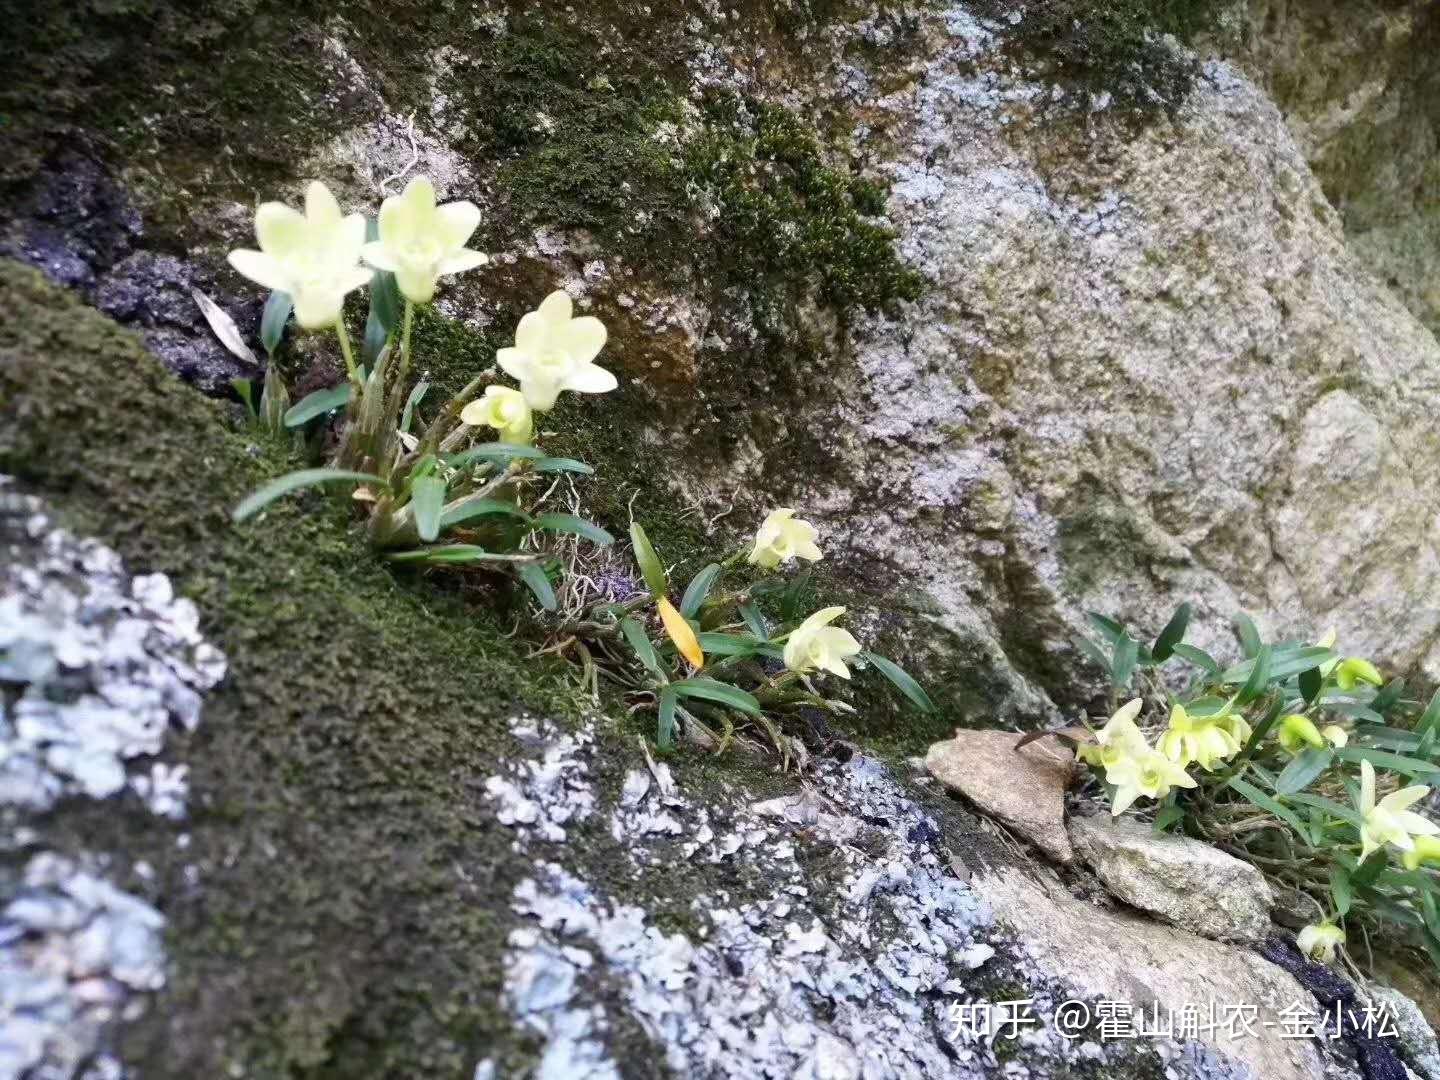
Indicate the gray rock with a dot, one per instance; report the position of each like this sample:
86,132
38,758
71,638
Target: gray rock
1024,789
1417,1038
1185,882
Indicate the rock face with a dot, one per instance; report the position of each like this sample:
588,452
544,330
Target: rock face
1025,789
1185,882
1127,957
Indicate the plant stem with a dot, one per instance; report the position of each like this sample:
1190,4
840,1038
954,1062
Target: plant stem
405,342
344,336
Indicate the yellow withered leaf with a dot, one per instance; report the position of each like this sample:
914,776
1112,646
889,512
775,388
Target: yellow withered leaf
681,634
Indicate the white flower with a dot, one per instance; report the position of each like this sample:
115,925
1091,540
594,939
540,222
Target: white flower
782,537
816,644
1144,772
1390,821
554,352
1197,738
420,241
1120,738
1318,941
503,409
314,256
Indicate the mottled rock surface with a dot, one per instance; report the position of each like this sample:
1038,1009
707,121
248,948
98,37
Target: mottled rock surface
1024,789
1186,882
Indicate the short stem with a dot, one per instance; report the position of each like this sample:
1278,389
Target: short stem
345,350
405,342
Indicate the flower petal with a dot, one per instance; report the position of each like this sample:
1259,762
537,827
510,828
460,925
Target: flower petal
583,338
456,222
397,221
1367,787
1399,800
417,286
419,193
378,255
280,230
1124,797
1416,825
514,362
591,379
459,261
316,309
556,307
540,394
531,332
320,206
261,268
350,238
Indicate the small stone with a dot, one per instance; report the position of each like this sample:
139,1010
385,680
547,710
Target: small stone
1185,882
1024,789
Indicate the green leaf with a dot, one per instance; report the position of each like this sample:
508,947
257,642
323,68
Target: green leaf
650,566
902,680
698,589
665,721
1355,709
1389,694
1259,677
1366,873
416,394
1340,889
1302,770
1168,815
444,554
736,645
479,506
640,643
1347,814
1383,759
719,692
1311,682
1430,718
321,401
1199,657
755,621
1093,651
1431,910
575,526
1171,636
538,582
1284,662
1126,653
375,338
560,464
386,303
794,593
1265,802
427,499
492,451
1109,629
246,394
278,306
293,482
1248,635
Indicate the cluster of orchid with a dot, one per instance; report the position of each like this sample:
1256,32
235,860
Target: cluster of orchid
433,496
1294,759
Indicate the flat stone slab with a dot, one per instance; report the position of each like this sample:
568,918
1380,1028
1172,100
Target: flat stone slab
1024,789
1185,882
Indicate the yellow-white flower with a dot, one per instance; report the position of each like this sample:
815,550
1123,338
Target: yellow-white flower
1353,671
503,409
1426,851
1335,735
1295,732
420,241
782,537
1390,821
1200,739
554,352
816,644
314,256
1318,941
1120,738
1149,773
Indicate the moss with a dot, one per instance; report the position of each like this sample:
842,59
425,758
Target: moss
1112,47
350,913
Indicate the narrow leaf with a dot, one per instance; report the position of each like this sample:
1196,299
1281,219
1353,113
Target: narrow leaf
1199,657
408,416
535,578
1311,682
321,401
1248,635
1093,651
640,643
1347,814
1123,666
560,464
373,342
755,621
1302,770
1388,695
1109,629
576,526
1171,636
1259,677
224,328
293,482
1430,718
427,497
246,392
386,302
698,590
665,721
278,306
1340,889
901,680
445,554
1383,759
681,633
474,506
493,451
1265,802
719,692
651,568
